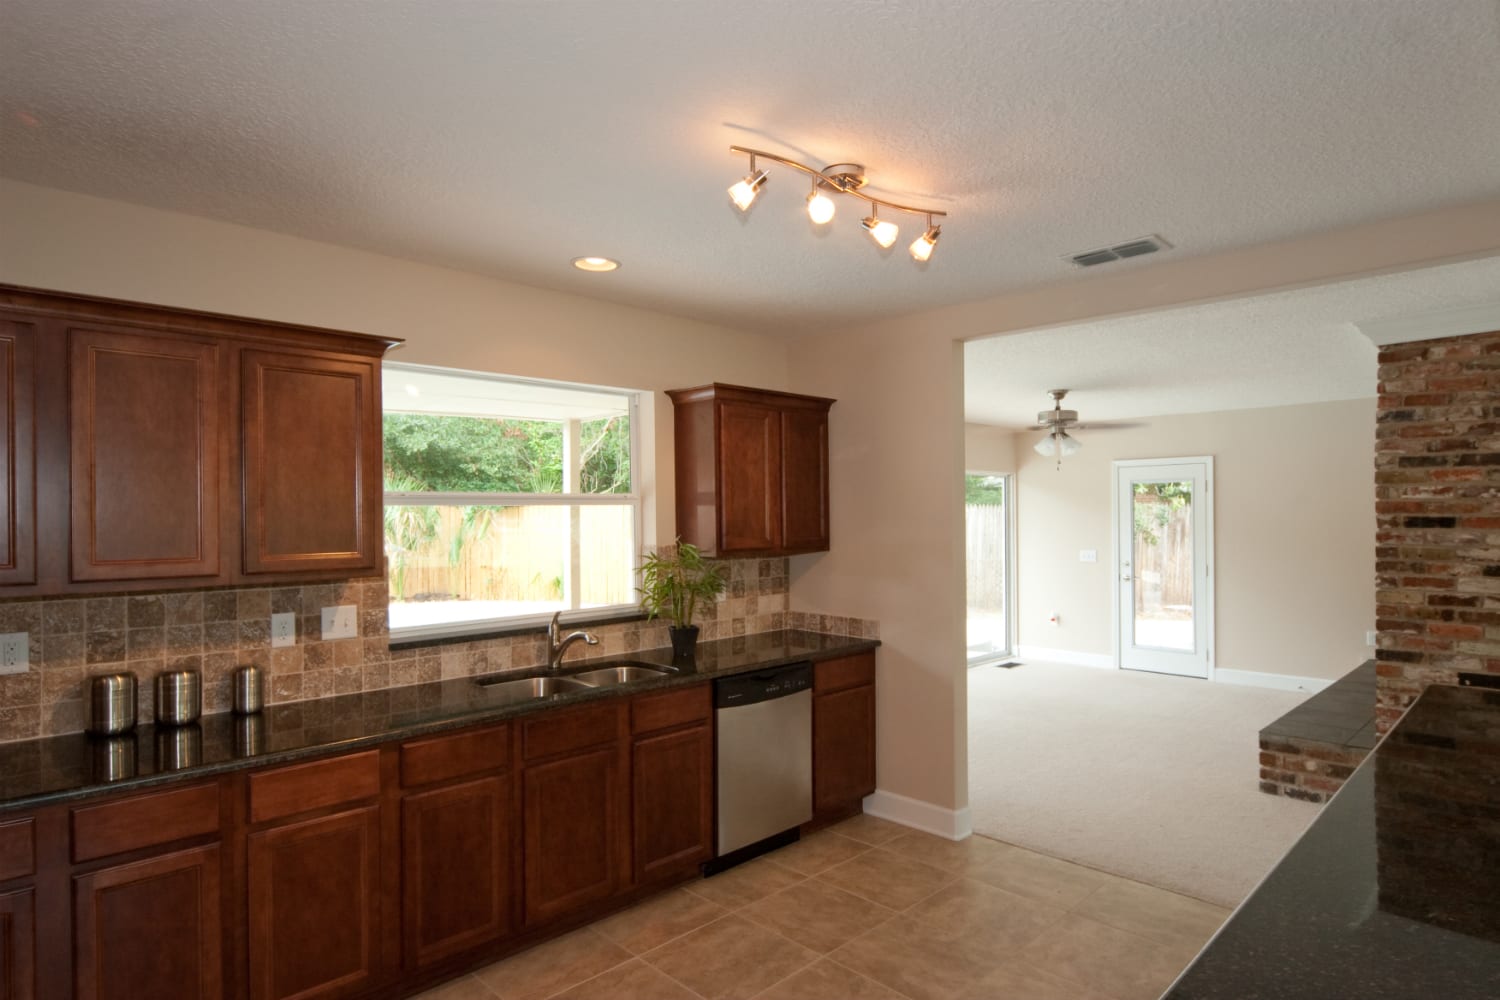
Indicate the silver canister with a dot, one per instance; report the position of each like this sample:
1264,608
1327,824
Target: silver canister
112,703
249,690
179,697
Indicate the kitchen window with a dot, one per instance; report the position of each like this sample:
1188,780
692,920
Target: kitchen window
506,500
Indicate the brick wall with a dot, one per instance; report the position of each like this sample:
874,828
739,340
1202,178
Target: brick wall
1437,476
1307,769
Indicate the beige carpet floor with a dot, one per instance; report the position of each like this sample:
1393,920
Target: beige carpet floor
1143,775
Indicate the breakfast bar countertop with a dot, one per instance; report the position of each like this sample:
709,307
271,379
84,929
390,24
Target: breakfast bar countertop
53,769
1394,890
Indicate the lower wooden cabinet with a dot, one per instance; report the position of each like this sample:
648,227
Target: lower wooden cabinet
314,906
456,850
150,929
18,945
572,833
843,735
672,783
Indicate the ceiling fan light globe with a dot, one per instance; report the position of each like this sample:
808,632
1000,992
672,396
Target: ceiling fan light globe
1067,445
1046,446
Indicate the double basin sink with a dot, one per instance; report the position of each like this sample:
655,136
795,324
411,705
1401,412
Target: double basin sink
512,690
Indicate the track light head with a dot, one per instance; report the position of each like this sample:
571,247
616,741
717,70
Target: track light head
883,233
820,207
922,246
743,192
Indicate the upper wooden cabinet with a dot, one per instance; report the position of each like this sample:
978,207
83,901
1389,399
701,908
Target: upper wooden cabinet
143,447
312,462
752,470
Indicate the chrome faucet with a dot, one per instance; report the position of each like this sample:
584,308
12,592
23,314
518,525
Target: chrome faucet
557,647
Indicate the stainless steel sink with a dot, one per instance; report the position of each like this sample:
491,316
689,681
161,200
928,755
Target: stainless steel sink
531,688
622,674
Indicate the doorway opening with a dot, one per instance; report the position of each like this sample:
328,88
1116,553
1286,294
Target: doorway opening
988,528
1163,572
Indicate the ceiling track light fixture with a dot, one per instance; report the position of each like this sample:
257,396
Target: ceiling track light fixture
839,178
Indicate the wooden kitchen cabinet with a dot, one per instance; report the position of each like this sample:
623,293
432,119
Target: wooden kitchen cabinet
150,929
146,470
145,447
17,451
312,447
573,785
843,735
17,944
315,893
672,782
752,470
457,844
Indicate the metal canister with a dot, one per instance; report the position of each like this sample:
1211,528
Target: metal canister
112,704
249,690
179,697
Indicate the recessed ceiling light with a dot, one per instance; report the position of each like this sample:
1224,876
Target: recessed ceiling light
595,263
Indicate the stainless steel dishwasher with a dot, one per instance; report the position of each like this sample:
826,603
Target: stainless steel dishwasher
763,722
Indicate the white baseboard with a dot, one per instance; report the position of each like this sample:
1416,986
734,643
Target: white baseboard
1103,661
951,824
1281,682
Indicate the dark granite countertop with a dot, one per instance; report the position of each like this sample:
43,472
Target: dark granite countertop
40,772
1394,891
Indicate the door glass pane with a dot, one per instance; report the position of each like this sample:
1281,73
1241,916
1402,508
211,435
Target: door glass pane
1163,561
984,521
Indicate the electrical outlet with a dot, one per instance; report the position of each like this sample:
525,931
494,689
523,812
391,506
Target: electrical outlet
284,629
338,623
15,653
1088,555
1371,638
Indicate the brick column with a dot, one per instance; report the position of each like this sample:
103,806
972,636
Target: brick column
1437,501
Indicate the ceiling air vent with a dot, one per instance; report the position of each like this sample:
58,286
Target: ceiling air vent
1130,248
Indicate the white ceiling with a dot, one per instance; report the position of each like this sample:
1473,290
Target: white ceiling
1293,347
510,137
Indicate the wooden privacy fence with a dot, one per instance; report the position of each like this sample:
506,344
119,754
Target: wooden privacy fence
522,555
1164,570
984,548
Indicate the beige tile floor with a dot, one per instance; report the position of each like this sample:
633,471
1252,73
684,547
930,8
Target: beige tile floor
869,910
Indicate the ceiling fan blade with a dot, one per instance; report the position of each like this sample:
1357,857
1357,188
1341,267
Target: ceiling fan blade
1107,425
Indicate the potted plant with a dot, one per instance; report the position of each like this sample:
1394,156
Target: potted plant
674,579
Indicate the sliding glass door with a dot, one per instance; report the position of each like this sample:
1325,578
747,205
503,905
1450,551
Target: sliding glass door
987,520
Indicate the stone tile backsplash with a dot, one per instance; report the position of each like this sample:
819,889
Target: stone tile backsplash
215,631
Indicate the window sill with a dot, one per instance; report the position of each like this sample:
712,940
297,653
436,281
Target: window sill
430,636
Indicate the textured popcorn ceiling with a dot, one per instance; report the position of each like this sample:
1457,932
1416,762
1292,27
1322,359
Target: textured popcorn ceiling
509,137
1301,346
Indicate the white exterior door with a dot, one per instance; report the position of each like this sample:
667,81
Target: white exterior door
1163,565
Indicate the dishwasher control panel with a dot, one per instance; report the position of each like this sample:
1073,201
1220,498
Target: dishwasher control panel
762,685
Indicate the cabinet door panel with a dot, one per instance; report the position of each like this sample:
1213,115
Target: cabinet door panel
17,945
672,779
804,480
571,833
749,478
843,749
17,452
456,850
145,469
311,463
149,929
315,906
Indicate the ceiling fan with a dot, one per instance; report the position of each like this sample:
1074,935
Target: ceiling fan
1058,421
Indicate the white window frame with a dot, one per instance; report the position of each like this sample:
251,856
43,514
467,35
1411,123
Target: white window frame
570,475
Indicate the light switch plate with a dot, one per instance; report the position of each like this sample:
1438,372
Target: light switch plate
284,629
1371,638
1088,555
338,622
15,653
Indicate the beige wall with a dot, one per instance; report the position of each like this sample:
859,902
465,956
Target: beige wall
989,449
1294,529
68,242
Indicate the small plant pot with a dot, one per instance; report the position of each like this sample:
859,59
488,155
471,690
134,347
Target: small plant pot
684,643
